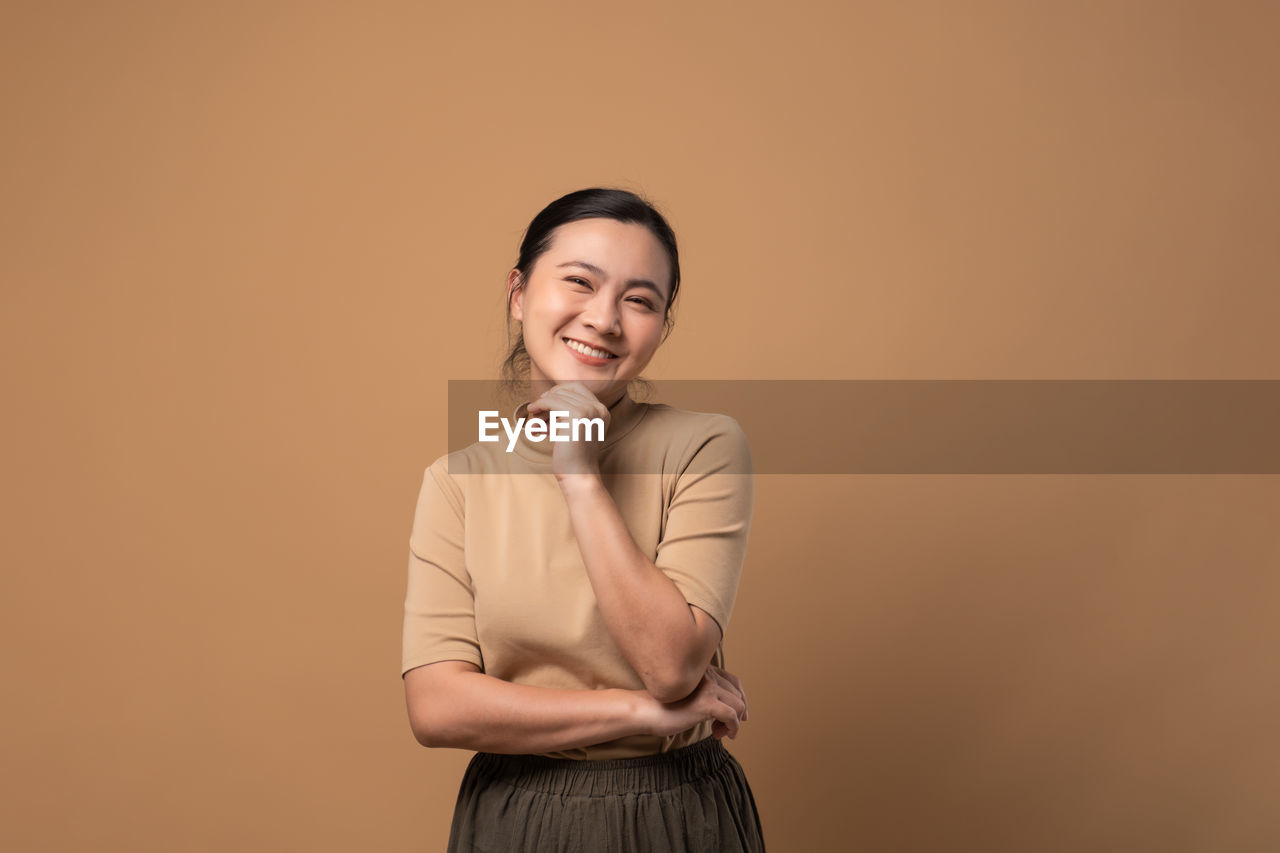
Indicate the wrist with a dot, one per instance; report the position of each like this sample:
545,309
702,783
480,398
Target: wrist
641,709
580,482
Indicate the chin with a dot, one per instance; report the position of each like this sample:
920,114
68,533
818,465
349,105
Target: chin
596,384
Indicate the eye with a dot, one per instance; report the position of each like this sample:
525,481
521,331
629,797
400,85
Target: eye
642,301
579,281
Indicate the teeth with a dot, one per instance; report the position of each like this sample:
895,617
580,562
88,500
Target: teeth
586,350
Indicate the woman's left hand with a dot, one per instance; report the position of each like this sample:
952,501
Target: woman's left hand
576,399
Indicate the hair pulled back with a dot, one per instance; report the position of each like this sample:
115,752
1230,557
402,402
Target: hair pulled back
595,202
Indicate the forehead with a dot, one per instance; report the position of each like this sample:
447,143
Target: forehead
624,250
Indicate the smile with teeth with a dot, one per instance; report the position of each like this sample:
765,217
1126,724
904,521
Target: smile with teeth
586,350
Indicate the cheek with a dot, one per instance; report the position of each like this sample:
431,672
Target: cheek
544,317
649,329
647,340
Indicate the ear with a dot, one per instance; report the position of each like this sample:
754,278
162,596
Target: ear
515,300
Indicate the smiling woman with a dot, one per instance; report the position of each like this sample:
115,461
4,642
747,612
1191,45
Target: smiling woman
567,623
604,314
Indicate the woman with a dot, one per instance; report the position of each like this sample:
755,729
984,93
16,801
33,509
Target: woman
566,600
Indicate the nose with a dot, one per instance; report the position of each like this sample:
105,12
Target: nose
602,315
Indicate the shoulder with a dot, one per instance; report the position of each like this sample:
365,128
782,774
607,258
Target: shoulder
476,458
466,471
685,420
447,477
702,437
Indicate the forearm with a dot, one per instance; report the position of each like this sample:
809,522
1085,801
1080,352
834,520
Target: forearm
471,710
645,613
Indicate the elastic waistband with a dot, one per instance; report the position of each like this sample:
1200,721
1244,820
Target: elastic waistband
582,777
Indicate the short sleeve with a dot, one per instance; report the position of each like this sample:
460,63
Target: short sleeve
704,538
439,605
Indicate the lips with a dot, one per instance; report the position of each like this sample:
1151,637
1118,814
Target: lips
591,345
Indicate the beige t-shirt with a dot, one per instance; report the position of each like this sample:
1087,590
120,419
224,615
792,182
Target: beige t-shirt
496,577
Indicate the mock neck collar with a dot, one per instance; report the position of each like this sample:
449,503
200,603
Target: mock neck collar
623,417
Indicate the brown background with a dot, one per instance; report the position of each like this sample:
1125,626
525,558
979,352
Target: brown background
247,244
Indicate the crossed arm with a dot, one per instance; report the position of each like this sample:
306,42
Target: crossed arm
453,704
667,641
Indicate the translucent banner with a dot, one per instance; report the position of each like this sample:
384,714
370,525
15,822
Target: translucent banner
954,426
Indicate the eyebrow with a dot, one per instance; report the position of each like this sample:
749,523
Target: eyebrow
634,282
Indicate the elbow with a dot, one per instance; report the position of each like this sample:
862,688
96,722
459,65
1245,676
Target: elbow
679,678
428,740
429,732
682,666
673,686
429,702
423,732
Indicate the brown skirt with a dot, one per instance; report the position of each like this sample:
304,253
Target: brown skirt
690,799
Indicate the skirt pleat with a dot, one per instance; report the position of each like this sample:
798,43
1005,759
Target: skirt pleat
691,799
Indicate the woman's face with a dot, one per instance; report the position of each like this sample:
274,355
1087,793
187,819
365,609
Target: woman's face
602,285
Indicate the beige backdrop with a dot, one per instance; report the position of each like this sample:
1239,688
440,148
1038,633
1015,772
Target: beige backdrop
247,244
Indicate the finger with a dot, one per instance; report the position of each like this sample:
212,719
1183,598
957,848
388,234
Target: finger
581,389
731,721
546,402
737,683
728,696
738,705
731,678
585,405
719,705
729,681
576,404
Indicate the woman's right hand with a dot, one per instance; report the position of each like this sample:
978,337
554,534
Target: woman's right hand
719,697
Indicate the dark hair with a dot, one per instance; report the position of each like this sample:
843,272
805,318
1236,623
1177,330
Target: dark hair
596,202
